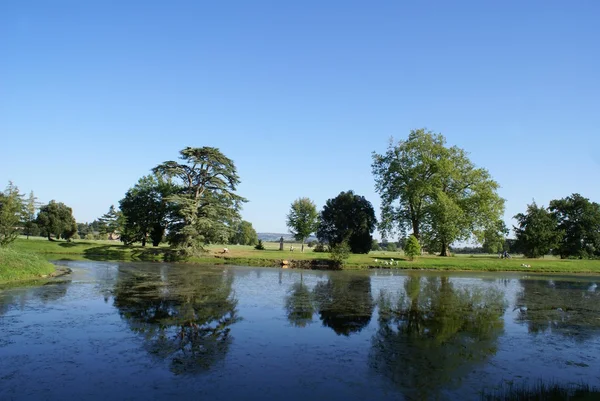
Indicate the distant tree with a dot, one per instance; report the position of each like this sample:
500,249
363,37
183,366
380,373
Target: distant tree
412,248
348,218
206,203
391,247
493,237
302,219
56,219
146,210
375,245
30,209
12,210
537,232
110,222
435,190
579,220
243,234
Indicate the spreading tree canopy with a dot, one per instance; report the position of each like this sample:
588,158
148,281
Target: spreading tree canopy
146,210
56,219
434,190
579,220
206,203
302,220
243,234
537,232
348,218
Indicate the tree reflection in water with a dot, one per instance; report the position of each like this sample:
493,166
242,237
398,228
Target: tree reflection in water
344,302
300,304
568,308
50,292
183,314
432,334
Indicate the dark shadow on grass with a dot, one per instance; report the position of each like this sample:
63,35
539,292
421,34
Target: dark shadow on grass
106,253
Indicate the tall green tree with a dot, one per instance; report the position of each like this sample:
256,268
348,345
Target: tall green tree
302,220
206,203
434,190
537,231
146,210
30,208
243,234
11,213
348,218
56,219
493,237
111,222
579,220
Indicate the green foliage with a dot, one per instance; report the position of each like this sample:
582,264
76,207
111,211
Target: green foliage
205,203
243,234
259,246
391,247
340,253
146,210
537,232
412,248
56,219
11,213
320,247
375,245
494,237
435,190
111,222
30,209
302,220
579,220
348,217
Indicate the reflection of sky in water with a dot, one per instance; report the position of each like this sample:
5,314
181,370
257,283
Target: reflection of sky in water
81,334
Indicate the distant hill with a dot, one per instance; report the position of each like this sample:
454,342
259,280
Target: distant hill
274,237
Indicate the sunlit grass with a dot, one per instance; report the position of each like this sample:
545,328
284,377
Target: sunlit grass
272,256
16,265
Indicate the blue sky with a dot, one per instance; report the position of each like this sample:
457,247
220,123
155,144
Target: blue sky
93,94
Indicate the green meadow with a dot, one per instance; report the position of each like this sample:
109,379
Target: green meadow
272,256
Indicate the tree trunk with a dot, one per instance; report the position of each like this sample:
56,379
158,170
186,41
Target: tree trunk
445,251
144,241
49,236
415,227
302,248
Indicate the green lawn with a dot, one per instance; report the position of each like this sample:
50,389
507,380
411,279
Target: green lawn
271,256
20,266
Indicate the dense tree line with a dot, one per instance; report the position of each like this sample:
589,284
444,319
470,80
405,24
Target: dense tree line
568,227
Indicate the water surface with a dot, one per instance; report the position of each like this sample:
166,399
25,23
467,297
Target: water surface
157,331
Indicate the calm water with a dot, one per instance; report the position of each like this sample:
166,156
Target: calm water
158,331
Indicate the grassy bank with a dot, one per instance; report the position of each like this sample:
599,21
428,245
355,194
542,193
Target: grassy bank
271,256
20,266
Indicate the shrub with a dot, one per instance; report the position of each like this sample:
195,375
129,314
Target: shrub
412,248
339,254
320,248
375,245
391,247
259,246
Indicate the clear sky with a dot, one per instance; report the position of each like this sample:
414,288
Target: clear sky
93,94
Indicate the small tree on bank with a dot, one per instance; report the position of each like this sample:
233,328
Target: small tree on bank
302,220
340,253
412,248
56,219
11,212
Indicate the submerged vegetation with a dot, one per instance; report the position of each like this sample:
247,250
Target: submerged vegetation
543,391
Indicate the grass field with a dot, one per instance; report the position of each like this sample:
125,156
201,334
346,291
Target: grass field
20,266
271,256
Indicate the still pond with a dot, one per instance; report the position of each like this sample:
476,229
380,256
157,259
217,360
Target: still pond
158,331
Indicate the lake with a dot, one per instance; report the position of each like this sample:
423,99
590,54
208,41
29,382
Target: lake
135,331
